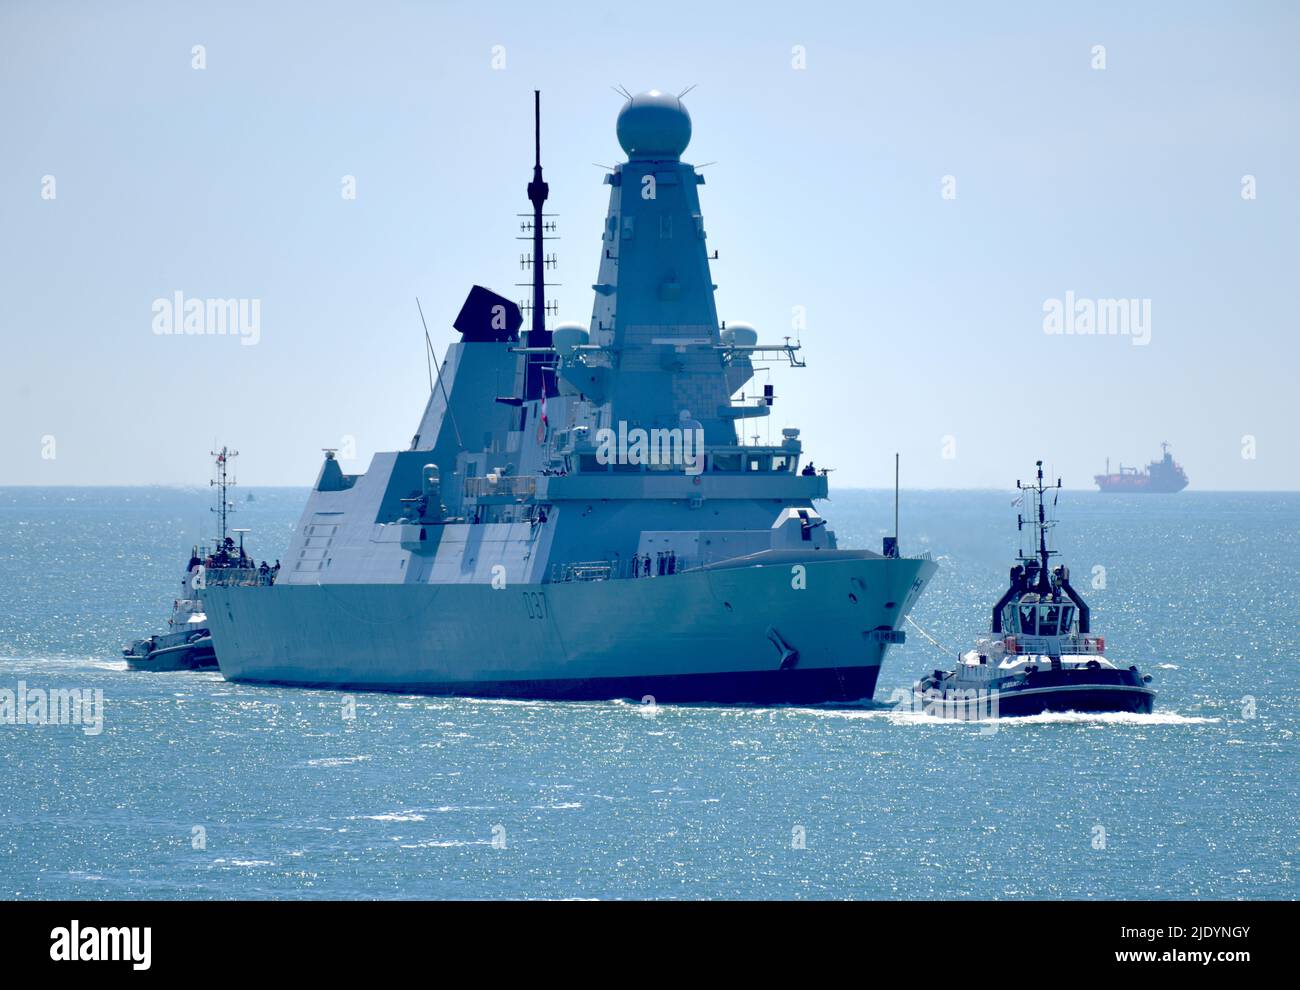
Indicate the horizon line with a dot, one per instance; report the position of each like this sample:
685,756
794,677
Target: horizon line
848,488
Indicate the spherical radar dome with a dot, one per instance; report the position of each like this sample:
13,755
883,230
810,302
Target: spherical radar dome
654,125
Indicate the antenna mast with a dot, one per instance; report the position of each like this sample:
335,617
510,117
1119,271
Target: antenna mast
222,482
538,228
895,498
1041,524
537,193
1042,518
889,545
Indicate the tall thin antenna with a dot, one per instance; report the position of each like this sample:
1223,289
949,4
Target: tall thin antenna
428,349
222,482
895,497
889,544
1042,518
537,128
1039,524
537,192
537,336
446,401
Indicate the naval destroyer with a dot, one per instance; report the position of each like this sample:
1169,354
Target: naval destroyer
578,515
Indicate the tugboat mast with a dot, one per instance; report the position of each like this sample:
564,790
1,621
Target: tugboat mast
1041,524
222,482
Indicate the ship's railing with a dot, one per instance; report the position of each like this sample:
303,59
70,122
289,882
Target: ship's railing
483,487
923,555
237,577
586,570
660,565
1074,644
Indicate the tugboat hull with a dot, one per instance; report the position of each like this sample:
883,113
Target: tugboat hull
1044,691
191,653
1078,698
1097,690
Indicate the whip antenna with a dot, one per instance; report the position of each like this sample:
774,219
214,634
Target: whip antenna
429,344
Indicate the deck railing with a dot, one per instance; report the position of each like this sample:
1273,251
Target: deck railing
608,570
237,577
1073,644
483,487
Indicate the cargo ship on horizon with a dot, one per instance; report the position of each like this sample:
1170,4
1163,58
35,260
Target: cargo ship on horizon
1164,476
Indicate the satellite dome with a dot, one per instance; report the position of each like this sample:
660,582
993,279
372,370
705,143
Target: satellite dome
566,336
743,334
654,125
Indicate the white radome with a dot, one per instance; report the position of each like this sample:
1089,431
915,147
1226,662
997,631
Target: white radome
654,125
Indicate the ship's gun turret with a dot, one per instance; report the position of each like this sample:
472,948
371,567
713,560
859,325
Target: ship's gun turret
428,504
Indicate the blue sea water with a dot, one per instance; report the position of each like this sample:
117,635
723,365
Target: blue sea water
201,789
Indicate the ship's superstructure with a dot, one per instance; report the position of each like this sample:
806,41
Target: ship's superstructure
577,515
187,643
1163,477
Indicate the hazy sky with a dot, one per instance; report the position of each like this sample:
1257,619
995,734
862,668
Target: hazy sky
925,313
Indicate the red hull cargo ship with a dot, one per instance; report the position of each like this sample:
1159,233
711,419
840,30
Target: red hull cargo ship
1163,476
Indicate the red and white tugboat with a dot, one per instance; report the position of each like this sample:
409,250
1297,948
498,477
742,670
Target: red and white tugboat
1041,655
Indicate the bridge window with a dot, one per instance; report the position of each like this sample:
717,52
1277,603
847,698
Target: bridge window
726,462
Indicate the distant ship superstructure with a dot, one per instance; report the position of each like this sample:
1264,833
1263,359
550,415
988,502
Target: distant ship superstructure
576,516
1164,476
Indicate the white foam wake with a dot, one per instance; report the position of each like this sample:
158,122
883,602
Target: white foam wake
1060,718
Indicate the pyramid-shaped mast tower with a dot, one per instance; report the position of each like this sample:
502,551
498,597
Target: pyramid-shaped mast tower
654,304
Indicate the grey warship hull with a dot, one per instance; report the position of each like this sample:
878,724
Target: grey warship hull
706,635
579,514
